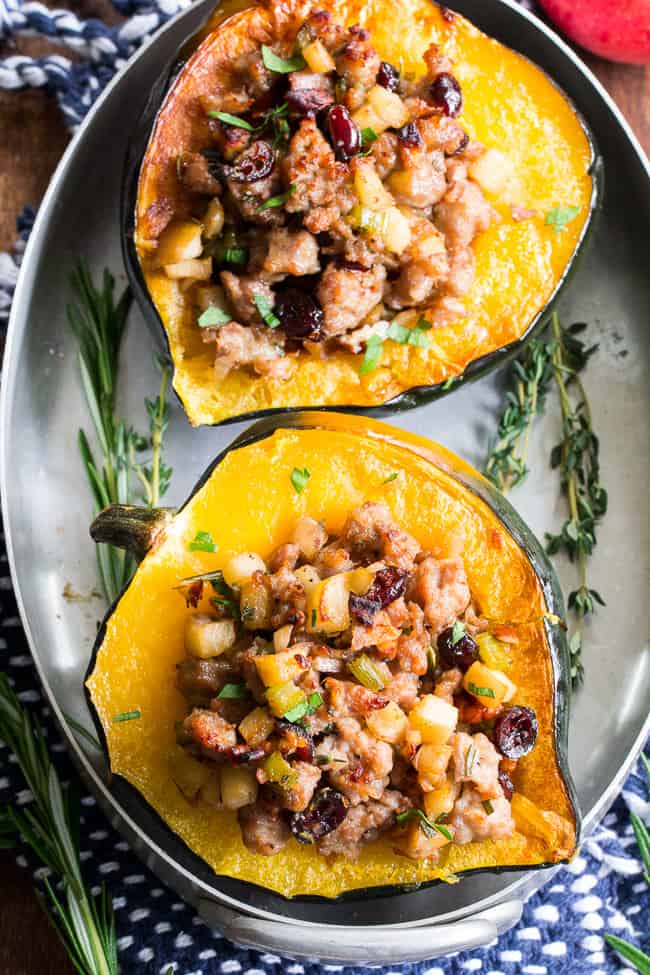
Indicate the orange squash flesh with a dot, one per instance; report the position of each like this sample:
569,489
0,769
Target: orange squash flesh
247,503
509,104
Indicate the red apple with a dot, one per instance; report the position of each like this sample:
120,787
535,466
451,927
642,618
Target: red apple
618,30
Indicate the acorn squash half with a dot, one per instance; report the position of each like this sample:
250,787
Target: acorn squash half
521,262
246,501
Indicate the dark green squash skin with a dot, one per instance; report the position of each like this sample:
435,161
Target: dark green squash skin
410,398
555,634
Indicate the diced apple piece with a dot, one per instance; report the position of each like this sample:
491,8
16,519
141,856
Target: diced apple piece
213,219
282,637
255,605
389,723
283,698
188,774
206,637
492,171
308,577
197,270
368,186
278,668
211,791
397,231
256,727
310,537
416,844
239,568
180,241
238,787
440,801
360,580
367,118
327,605
490,687
389,106
434,718
318,58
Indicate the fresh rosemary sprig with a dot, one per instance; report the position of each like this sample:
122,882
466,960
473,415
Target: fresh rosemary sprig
576,456
557,358
628,951
50,826
98,323
532,374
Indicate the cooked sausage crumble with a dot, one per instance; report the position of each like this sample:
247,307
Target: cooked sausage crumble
345,688
333,197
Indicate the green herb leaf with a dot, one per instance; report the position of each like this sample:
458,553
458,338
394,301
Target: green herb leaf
202,542
427,825
457,632
372,356
448,383
79,729
314,617
233,692
487,805
265,310
480,691
213,316
305,708
560,216
630,953
299,478
229,607
368,136
235,255
274,62
127,716
234,120
410,336
277,201
391,477
470,759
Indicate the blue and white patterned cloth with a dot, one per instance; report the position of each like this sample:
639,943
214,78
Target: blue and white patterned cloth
562,927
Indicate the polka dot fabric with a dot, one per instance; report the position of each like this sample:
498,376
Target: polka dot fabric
562,928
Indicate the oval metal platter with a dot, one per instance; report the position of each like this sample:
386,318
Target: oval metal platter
47,507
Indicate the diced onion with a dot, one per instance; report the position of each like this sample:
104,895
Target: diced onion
367,672
238,787
318,58
180,241
213,219
196,270
239,568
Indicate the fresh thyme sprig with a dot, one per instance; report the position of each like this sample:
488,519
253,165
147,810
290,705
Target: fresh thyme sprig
50,825
628,951
576,457
98,323
557,359
532,373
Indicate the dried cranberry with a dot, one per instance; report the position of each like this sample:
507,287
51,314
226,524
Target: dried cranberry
446,94
253,164
388,585
388,76
363,609
460,653
409,135
506,784
515,731
299,314
344,133
325,812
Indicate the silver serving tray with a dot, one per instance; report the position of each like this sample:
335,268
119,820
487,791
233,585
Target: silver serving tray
47,507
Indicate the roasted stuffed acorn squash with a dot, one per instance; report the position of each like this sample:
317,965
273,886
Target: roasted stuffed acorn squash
341,664
353,204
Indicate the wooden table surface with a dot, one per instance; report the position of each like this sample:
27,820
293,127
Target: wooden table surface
33,139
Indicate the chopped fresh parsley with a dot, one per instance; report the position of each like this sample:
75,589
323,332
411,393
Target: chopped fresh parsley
299,478
457,632
127,716
235,255
213,316
274,62
428,827
306,707
369,136
225,601
234,120
372,356
560,216
233,691
410,336
487,805
265,310
480,691
277,201
391,477
448,383
314,617
202,542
